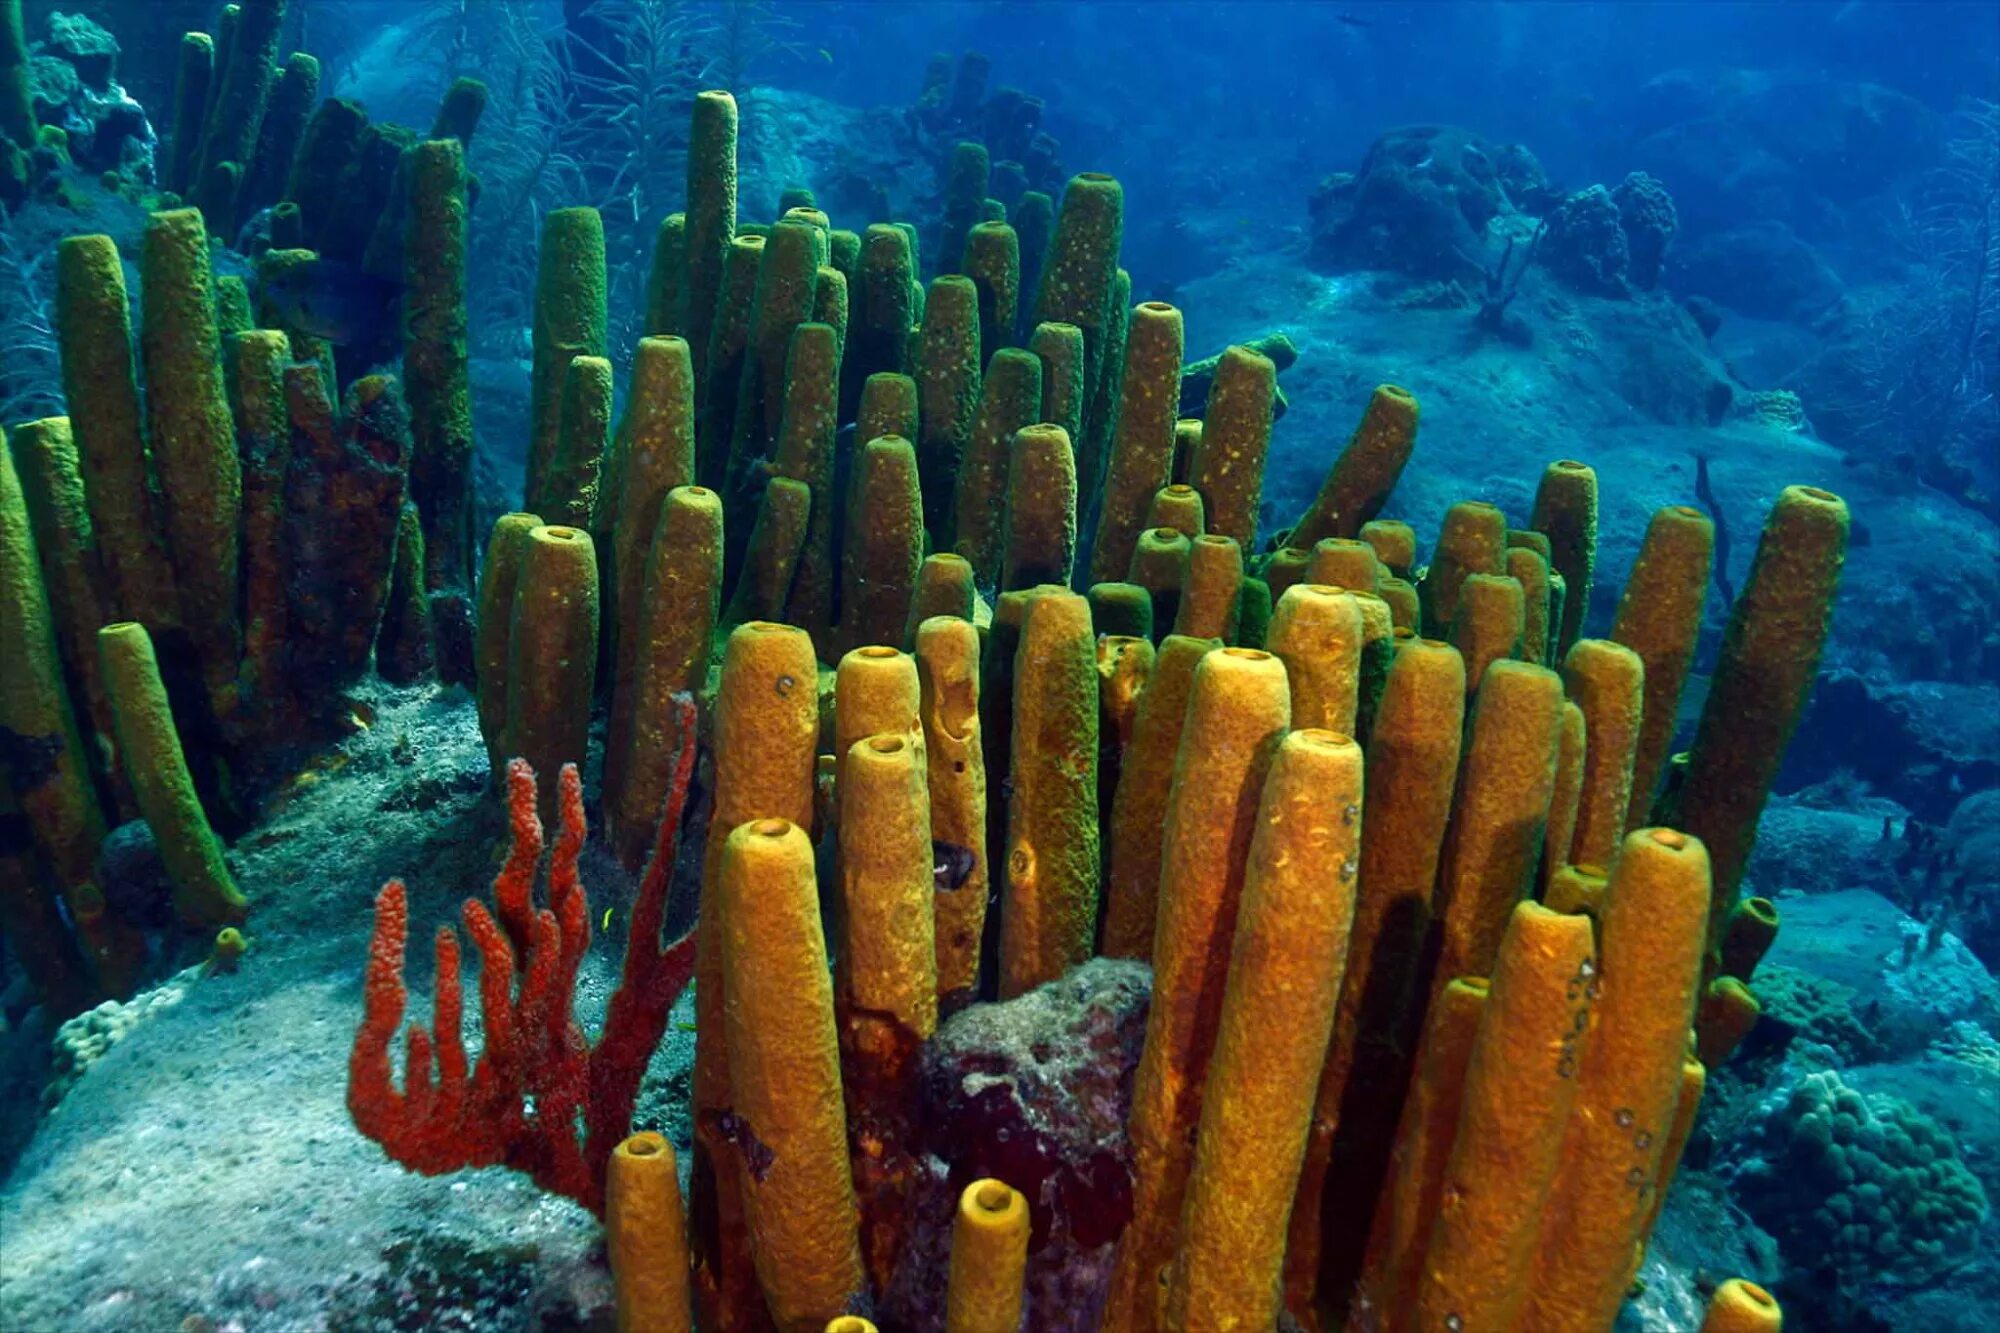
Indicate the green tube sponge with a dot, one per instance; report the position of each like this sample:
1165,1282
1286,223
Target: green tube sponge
1034,219
1142,446
773,554
943,588
291,104
93,328
711,222
1210,588
1566,512
885,305
831,305
1159,565
225,46
716,387
47,775
888,407
193,440
459,111
947,369
1082,269
1367,470
1770,658
1039,544
573,482
667,642
405,652
1060,347
1010,398
369,193
1122,609
654,454
993,262
435,374
344,490
1228,466
499,579
1101,413
965,178
804,453
331,140
569,322
149,746
787,280
232,307
243,84
257,361
196,67
885,544
552,653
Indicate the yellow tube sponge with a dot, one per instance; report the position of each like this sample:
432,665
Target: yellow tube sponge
1568,794
1285,969
645,1236
1472,541
1039,542
989,1259
1209,588
884,545
552,655
947,650
1489,624
1659,618
1316,632
1361,478
1566,513
888,956
1142,442
1607,681
1741,1306
1228,467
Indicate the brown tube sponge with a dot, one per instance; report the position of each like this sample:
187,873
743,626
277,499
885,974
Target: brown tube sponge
1395,544
1659,618
1209,589
1366,471
1179,506
1142,443
1566,513
947,367
1607,681
499,578
1571,750
1489,624
889,406
943,588
1228,466
1528,568
1472,541
947,649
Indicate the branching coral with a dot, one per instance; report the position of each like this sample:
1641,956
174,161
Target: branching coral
519,1106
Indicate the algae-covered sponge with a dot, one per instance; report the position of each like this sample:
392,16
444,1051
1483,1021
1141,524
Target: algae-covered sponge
1121,608
1473,540
1566,513
293,97
1228,467
573,484
1659,618
1741,1306
1082,267
947,369
1142,443
1039,542
1010,399
884,546
150,747
1519,1087
947,650
499,578
993,262
436,378
569,322
645,1237
652,455
1607,681
1048,901
666,279
944,588
785,1074
1627,1081
1489,624
552,656
1770,656
405,649
989,1259
1366,471
1285,971
1179,506
1060,349
242,83
888,406
1316,632
1209,588
193,73
711,221
1238,709
193,439
805,453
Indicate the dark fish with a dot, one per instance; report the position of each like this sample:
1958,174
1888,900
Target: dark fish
1352,21
341,303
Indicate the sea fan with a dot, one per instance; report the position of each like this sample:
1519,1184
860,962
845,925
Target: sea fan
30,366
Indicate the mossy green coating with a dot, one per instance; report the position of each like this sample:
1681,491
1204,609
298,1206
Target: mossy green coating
93,328
436,373
193,440
344,489
884,306
405,651
1210,588
831,304
783,513
1228,467
459,111
787,278
795,196
947,370
47,771
1039,542
1769,660
257,361
1253,613
716,387
665,647
1101,413
191,79
1361,479
654,454
1471,540
804,452
51,480
1141,455
1081,272
370,191
290,106
500,577
1010,399
569,322
149,746
1060,347
885,544
331,138
1122,608
965,177
1159,565
993,262
943,588
1034,219
215,194
889,406
225,47
843,251
573,484
232,307
552,652
1566,513
288,230
1048,896
242,85
711,224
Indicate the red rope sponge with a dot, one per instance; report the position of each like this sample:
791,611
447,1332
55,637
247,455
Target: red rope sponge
537,1075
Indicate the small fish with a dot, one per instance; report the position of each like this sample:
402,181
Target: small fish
341,303
1352,21
607,918
826,55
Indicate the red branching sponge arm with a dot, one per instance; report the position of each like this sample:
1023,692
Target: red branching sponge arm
514,887
372,1098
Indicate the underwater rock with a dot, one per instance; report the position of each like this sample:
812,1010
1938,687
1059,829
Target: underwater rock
1646,215
1035,1092
1418,206
1762,270
1585,245
1922,743
73,78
